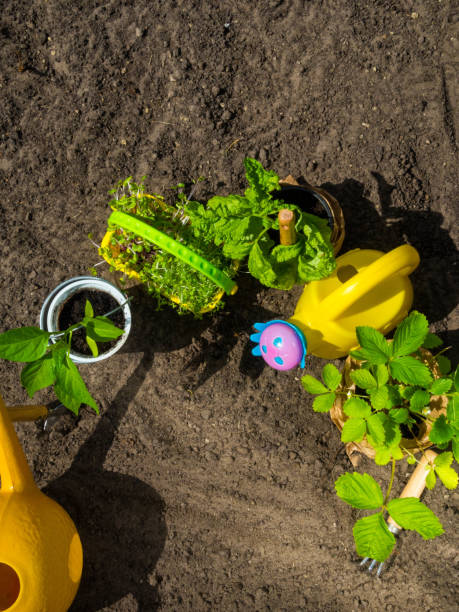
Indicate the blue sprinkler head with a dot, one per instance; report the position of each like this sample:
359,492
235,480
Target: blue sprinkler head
281,344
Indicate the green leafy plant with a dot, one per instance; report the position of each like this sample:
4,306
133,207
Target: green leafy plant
163,274
241,226
48,363
390,403
371,533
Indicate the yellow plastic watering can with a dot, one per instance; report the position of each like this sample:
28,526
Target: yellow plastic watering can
368,287
41,557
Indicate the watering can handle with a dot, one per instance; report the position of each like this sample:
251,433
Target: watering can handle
15,473
27,413
139,227
400,261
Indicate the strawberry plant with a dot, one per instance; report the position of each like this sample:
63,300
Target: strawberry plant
242,226
388,404
47,357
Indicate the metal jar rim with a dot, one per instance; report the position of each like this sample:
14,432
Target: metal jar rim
52,306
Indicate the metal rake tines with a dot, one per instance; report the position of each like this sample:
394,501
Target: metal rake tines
373,562
395,530
56,410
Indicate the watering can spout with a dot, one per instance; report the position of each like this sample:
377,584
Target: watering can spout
14,471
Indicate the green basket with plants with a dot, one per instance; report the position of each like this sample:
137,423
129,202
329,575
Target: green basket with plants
153,242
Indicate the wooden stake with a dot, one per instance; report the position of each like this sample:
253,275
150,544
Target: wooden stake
287,233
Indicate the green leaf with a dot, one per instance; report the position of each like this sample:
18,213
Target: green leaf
418,400
359,355
444,364
379,398
431,479
92,345
441,432
410,371
359,491
363,379
445,472
317,259
88,310
24,344
312,385
323,403
443,460
440,386
238,235
395,398
373,345
375,430
356,407
38,374
392,430
410,334
455,447
261,181
267,270
399,415
456,378
373,538
397,453
353,430
101,329
410,513
432,341
382,374
331,376
383,456
407,392
452,411
70,387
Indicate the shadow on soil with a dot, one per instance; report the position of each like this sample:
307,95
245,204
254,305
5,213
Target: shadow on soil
116,515
435,283
210,339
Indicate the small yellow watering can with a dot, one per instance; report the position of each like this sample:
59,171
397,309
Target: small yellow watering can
368,287
41,557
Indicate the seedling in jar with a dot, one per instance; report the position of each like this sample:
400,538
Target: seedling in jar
47,357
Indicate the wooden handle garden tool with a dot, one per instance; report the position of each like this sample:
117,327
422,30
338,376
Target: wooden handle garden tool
415,485
41,556
413,488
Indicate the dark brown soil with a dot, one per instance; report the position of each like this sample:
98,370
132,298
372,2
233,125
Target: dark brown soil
207,481
73,311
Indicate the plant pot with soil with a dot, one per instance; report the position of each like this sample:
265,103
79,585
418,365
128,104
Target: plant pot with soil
65,307
248,226
393,400
76,311
153,242
315,201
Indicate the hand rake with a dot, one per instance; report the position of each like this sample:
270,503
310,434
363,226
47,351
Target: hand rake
414,488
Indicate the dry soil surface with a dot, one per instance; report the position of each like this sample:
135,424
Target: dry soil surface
207,481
